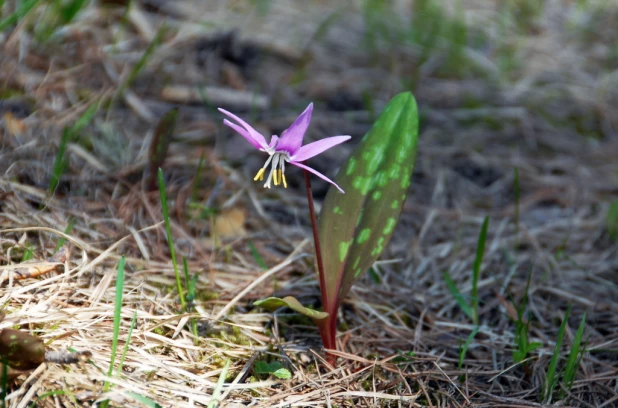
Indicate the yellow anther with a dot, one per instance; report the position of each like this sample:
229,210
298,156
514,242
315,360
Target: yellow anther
259,175
275,178
285,184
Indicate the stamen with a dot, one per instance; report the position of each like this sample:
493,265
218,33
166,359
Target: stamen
277,170
259,175
272,170
282,172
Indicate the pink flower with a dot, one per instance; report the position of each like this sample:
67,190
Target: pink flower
285,149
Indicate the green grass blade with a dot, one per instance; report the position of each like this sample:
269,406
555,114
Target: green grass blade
170,239
117,319
24,8
143,61
461,301
217,391
117,312
84,119
196,180
45,395
126,345
476,270
466,345
60,163
190,283
573,360
67,231
144,400
552,375
612,220
69,10
28,253
256,256
517,197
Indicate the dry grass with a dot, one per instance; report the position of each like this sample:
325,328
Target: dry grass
553,115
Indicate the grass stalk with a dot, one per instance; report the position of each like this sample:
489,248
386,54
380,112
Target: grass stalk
217,391
552,371
476,270
143,61
170,239
575,355
60,163
517,197
116,328
464,349
24,8
67,231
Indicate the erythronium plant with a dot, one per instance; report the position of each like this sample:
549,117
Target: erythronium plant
353,228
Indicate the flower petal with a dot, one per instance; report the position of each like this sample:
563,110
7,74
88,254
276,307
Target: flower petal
292,138
315,148
317,173
253,136
273,141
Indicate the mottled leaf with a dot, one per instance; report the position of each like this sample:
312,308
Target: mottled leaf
20,350
355,227
274,303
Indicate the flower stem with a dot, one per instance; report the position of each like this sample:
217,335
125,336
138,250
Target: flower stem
328,330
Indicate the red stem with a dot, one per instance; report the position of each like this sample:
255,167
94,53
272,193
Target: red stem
328,330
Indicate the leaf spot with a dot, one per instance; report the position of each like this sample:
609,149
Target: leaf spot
363,184
377,250
390,226
363,236
350,167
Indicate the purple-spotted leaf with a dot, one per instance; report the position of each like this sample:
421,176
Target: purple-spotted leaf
274,303
355,227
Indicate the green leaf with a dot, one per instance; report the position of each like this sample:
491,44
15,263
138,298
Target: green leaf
461,301
274,303
275,368
144,400
355,227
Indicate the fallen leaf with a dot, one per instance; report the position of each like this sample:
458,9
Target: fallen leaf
229,224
